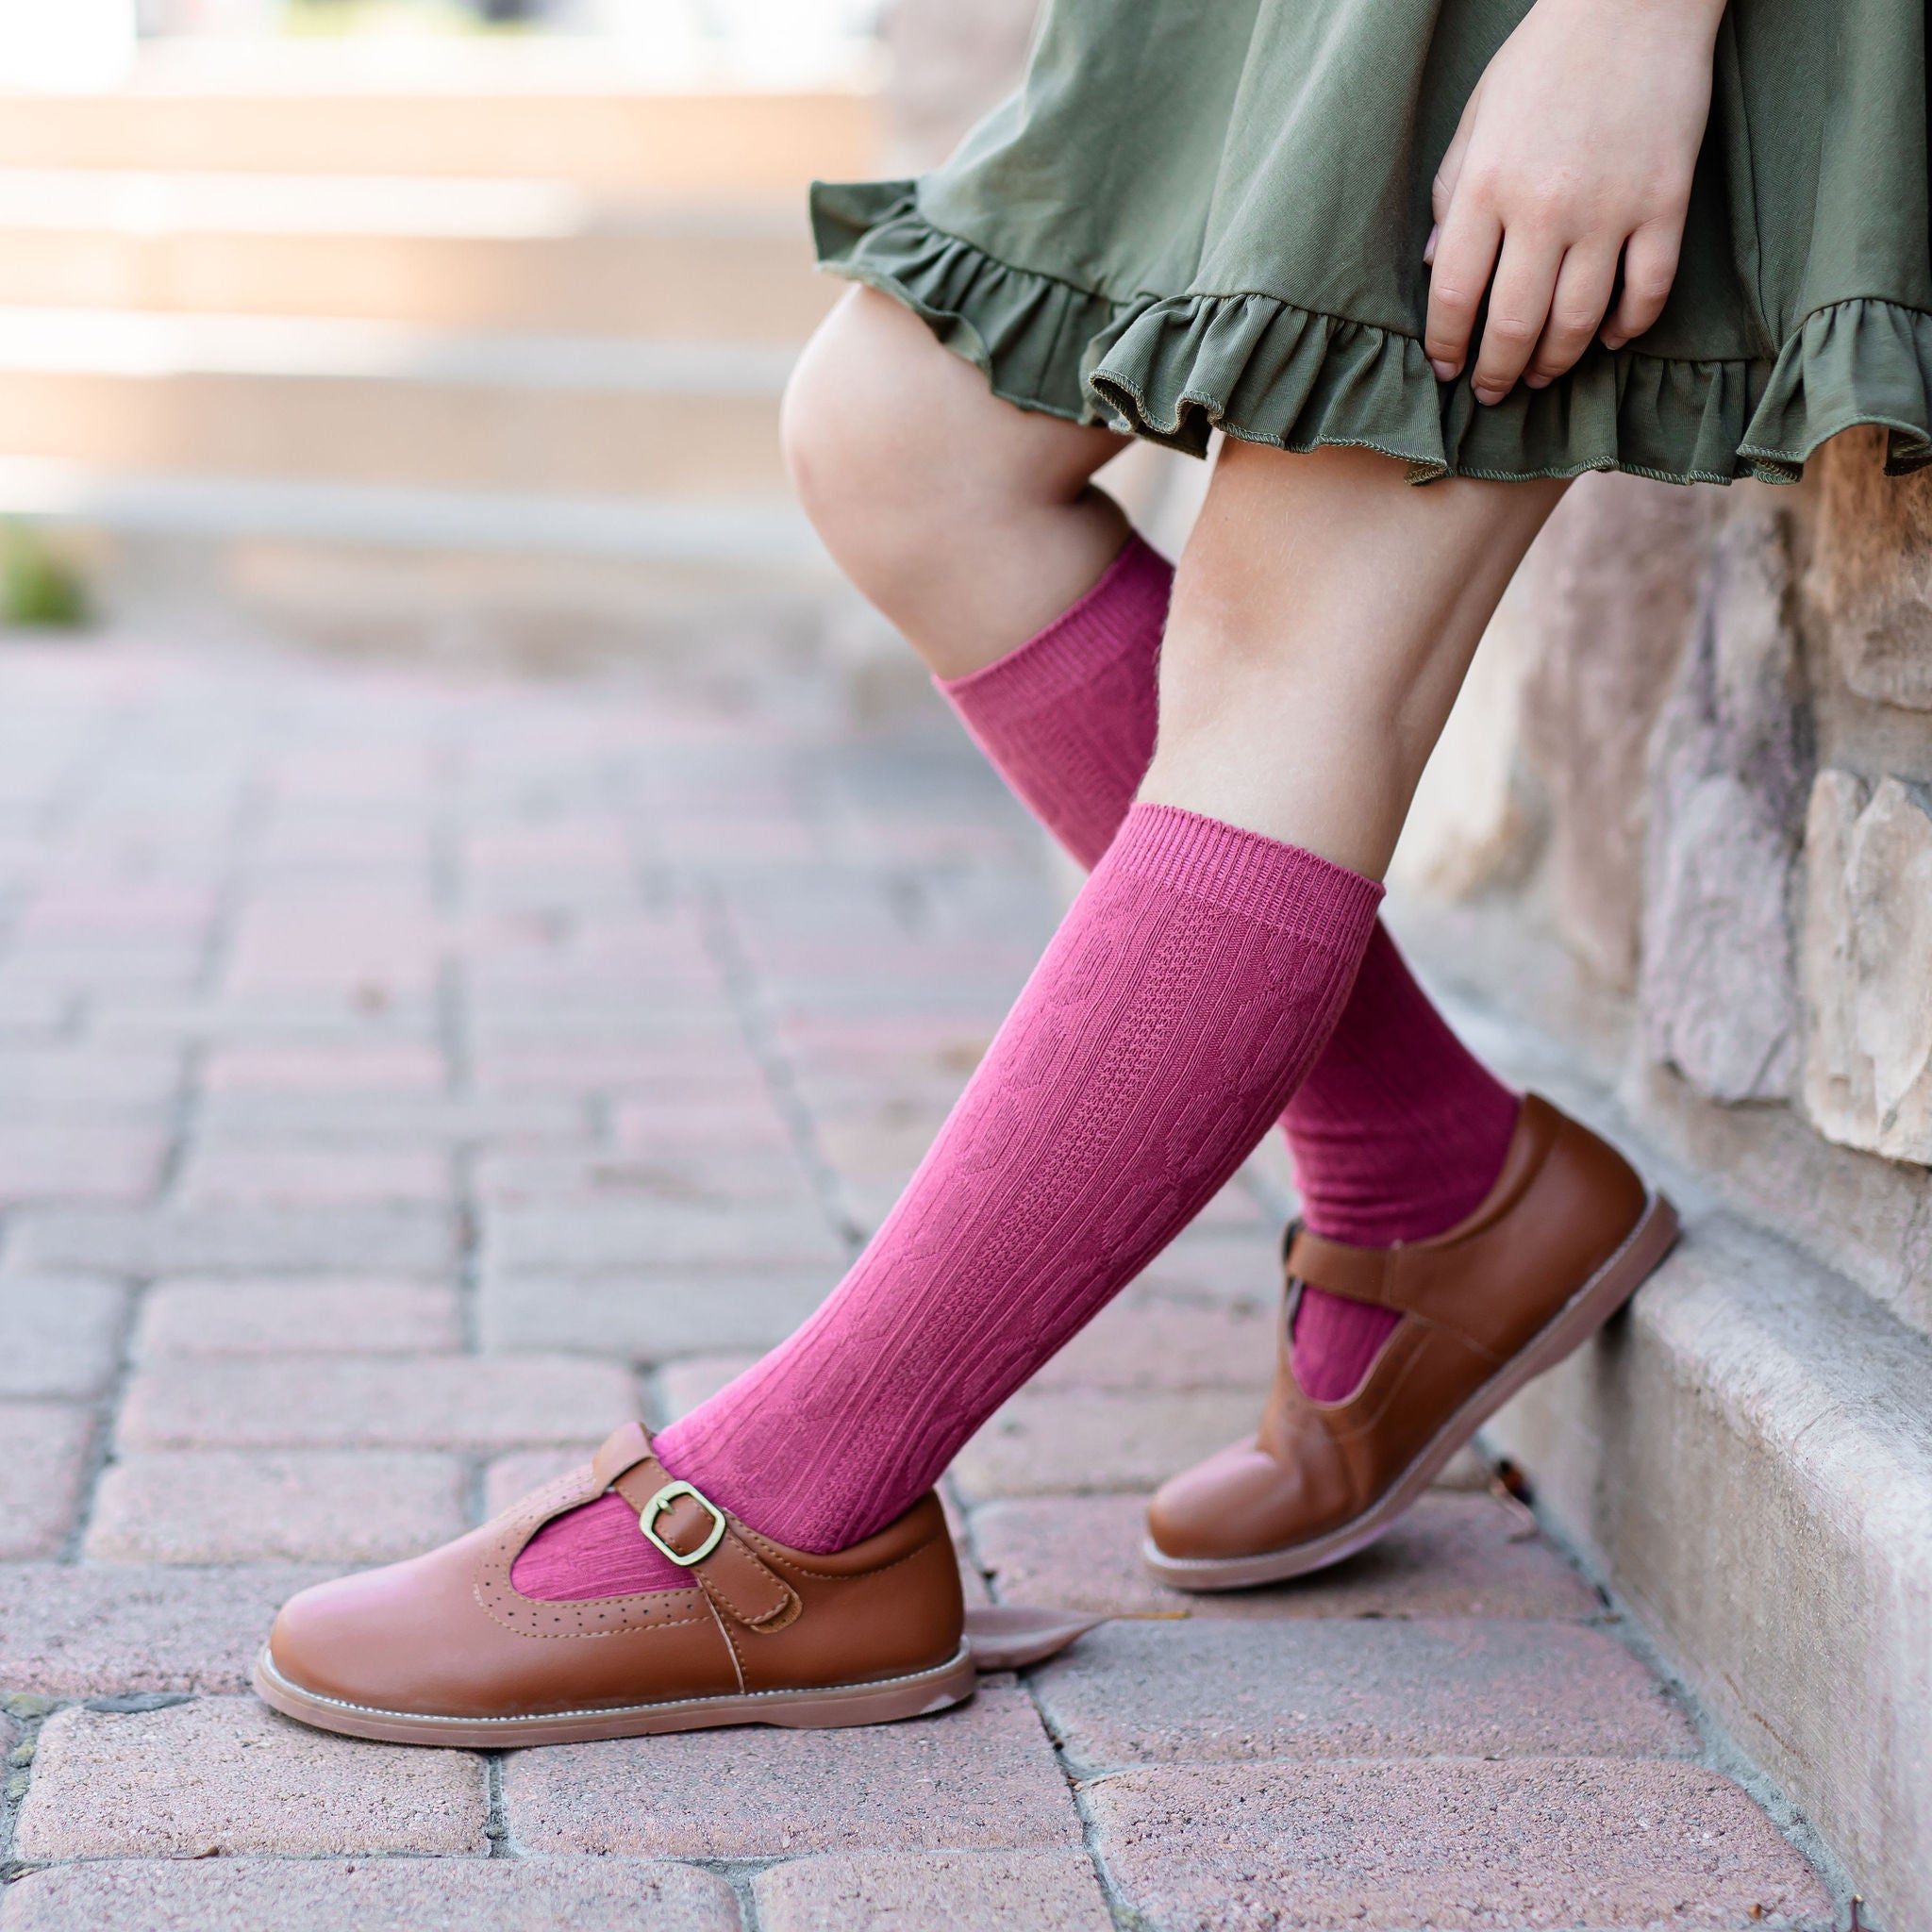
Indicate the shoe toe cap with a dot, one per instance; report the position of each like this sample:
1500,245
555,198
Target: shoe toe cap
1243,1502
383,1639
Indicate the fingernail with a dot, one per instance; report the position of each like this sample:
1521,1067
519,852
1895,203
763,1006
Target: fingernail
1445,372
1537,381
1614,341
1429,246
1489,395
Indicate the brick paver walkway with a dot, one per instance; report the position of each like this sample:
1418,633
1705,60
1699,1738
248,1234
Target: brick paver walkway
402,1082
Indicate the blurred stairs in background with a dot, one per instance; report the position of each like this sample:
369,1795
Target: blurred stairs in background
392,356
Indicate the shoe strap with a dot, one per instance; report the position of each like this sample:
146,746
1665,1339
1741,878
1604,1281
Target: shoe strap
683,1522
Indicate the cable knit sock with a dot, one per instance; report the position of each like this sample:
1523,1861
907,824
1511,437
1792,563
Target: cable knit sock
1183,999
1399,1131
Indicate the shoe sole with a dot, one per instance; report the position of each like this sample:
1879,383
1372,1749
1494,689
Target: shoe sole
1579,1318
881,1703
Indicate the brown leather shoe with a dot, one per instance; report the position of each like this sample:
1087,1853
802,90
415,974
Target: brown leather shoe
442,1650
1564,1239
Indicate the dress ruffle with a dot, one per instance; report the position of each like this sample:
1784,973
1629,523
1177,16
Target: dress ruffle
1174,368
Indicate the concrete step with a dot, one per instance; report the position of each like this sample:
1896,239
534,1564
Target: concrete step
723,531
1746,1457
707,143
388,404
527,255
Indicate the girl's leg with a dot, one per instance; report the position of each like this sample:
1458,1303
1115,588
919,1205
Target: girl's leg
970,524
1323,617
973,525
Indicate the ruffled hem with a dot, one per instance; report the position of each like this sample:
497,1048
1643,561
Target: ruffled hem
1173,369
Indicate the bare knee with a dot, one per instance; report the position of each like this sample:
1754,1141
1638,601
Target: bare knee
901,453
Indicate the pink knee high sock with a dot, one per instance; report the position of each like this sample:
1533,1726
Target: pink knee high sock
1191,984
1398,1131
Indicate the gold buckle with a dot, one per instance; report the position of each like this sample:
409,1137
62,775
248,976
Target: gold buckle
662,1501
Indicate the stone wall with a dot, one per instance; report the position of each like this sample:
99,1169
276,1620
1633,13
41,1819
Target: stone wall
1721,758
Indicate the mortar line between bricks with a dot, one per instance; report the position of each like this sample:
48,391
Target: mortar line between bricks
106,1419
1125,1918
1719,1752
495,1828
741,986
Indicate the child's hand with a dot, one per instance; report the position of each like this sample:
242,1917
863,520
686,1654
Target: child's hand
1576,148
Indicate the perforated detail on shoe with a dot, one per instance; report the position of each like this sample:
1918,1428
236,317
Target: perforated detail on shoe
603,1616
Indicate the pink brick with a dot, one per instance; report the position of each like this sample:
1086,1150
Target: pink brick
682,1385
332,1069
1141,1343
62,1335
423,1402
1452,1555
700,1070
355,941
94,1631
1331,1688
1460,1846
132,913
312,1176
695,1176
225,1774
937,1891
205,1506
43,1456
48,1162
980,1776
1048,1441
280,1316
659,1128
330,1895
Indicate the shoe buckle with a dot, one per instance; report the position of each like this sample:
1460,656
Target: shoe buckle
649,1514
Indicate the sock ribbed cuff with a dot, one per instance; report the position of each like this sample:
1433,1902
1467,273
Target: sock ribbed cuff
1279,886
1057,664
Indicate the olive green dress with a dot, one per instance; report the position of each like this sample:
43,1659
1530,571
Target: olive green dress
1200,214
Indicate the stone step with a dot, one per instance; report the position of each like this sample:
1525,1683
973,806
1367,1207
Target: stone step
391,405
1746,1457
524,256
733,142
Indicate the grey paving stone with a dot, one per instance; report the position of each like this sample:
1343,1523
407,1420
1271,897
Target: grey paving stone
979,1776
1453,1554
1052,1441
101,1629
280,1315
357,1120
402,1240
375,1402
1454,1846
937,1891
651,1316
62,1333
226,1774
585,1239
1212,1691
256,1894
